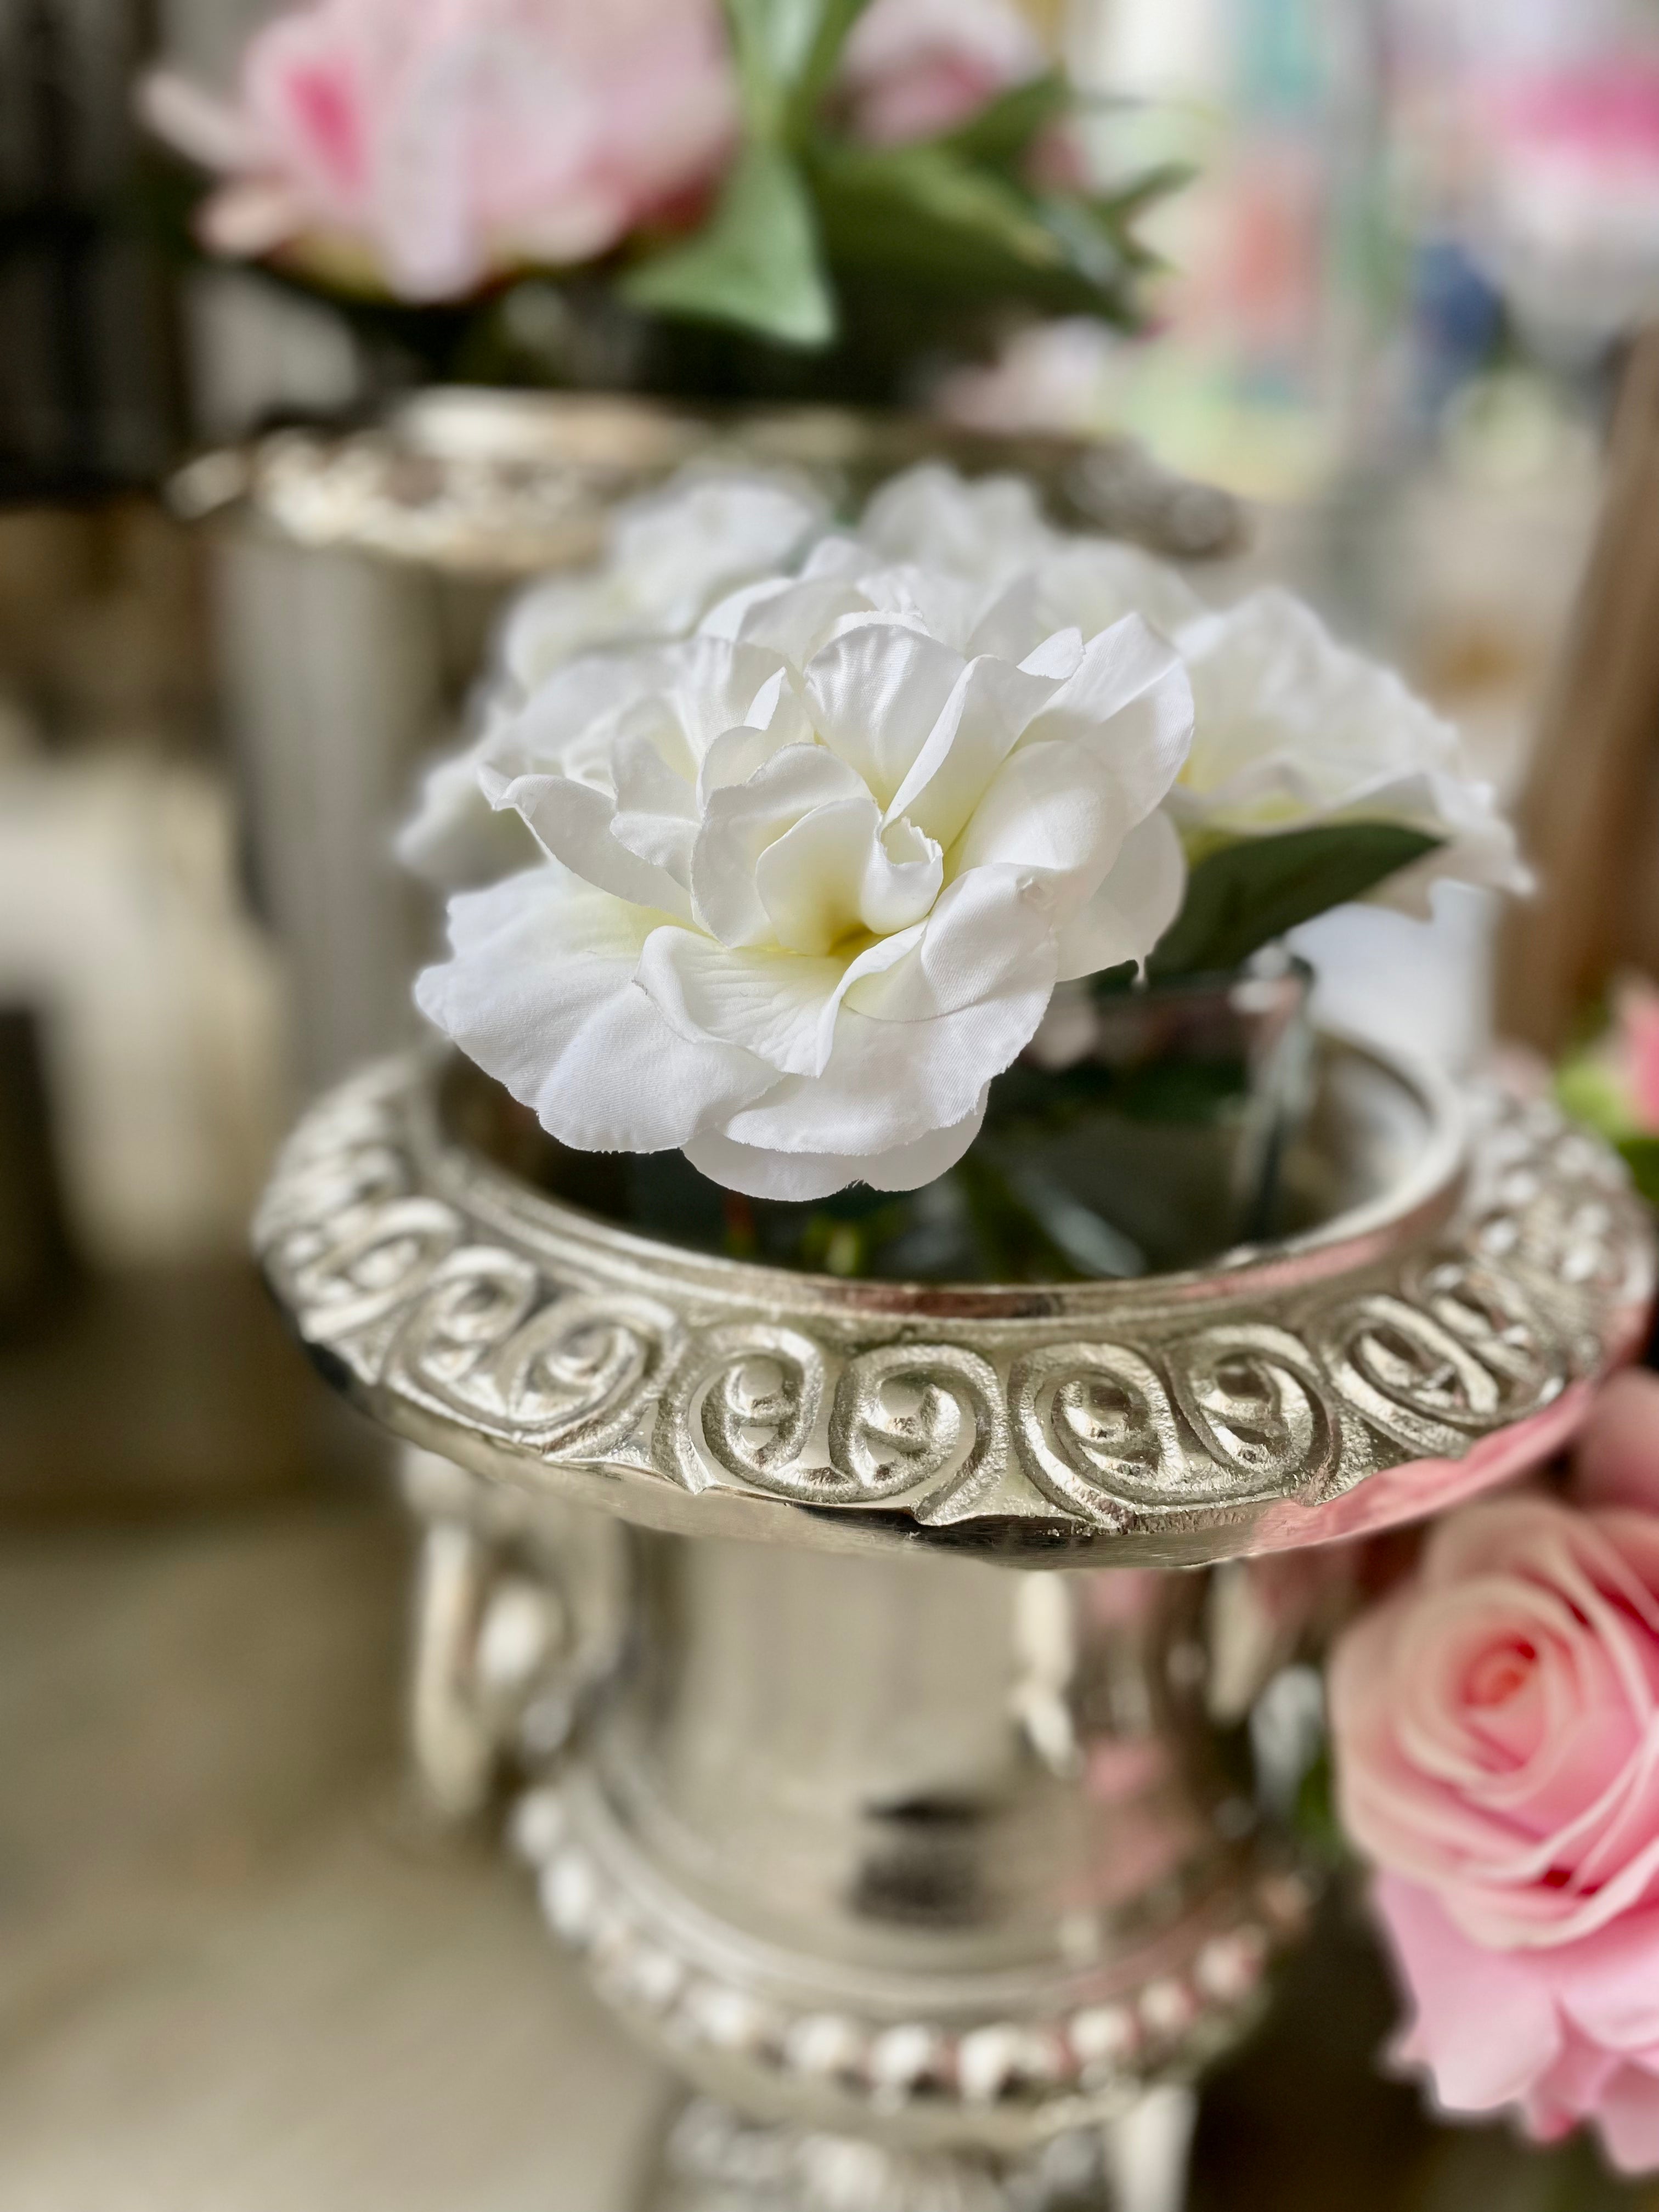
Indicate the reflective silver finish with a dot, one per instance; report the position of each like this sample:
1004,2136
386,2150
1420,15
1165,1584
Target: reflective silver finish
1442,1325
934,1873
470,481
911,1849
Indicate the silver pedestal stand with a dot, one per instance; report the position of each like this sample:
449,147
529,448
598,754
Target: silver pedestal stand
929,1876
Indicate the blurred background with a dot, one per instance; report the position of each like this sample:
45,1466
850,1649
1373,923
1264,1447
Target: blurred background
237,1969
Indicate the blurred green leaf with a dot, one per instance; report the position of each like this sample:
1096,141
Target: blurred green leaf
929,190
929,218
1119,207
1641,1157
1588,1086
836,19
1092,248
787,51
1003,128
1242,896
756,263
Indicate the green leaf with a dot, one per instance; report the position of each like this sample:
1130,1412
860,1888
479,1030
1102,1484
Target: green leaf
920,212
1122,205
935,183
835,24
928,219
787,52
756,263
1641,1157
1003,128
1242,896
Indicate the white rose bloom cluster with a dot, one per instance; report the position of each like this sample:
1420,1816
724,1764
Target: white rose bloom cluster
1291,729
806,868
813,873
669,557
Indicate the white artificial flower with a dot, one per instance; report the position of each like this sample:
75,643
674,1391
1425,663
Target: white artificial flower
670,555
812,874
1292,729
983,530
989,530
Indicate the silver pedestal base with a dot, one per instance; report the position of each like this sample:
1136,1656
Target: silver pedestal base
712,2160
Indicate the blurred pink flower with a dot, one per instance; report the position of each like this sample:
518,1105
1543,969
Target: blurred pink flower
1496,1726
1616,1462
1610,112
914,67
1566,173
431,143
1635,1017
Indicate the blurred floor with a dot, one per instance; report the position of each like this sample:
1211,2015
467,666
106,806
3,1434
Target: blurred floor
239,1973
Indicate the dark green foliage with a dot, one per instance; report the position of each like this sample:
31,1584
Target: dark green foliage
1242,896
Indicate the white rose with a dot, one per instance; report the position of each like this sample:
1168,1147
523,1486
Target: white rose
983,530
813,873
1292,729
990,530
669,555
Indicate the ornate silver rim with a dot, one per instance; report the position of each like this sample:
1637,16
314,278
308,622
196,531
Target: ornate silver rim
1410,1352
500,483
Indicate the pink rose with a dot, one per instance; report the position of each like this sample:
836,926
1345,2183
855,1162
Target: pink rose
1636,1014
914,67
1566,2036
432,143
1496,1726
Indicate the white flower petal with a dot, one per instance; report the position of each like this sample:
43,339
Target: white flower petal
1129,699
1059,808
554,621
1140,897
792,619
875,694
987,714
776,718
1094,582
1076,784
670,555
779,1005
741,820
1294,729
455,839
836,871
915,1046
806,1176
576,824
656,817
682,549
540,992
980,530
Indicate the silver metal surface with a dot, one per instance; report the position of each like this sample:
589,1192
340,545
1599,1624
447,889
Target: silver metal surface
912,1849
916,1865
492,483
713,2161
1485,1262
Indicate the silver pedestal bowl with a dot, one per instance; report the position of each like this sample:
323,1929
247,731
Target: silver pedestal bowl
929,1876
